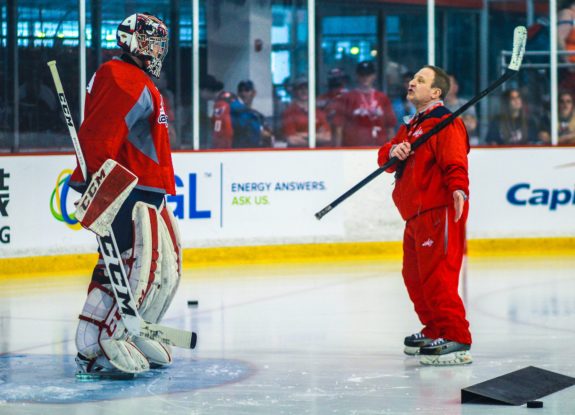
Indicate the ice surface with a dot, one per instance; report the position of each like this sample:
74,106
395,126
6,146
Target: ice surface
296,339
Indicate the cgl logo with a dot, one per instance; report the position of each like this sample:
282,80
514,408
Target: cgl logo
193,212
58,201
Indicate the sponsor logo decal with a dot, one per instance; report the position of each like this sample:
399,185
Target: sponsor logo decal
58,201
524,194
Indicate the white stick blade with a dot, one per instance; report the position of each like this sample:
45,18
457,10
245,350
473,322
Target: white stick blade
519,40
168,335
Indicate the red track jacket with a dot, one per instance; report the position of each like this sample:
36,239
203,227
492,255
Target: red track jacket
435,170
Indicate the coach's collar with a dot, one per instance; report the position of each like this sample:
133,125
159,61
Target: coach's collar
432,105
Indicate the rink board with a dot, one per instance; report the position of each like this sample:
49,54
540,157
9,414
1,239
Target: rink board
238,199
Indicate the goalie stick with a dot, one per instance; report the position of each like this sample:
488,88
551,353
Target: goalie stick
519,40
134,323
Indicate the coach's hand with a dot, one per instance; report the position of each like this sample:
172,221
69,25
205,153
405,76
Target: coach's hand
401,150
459,198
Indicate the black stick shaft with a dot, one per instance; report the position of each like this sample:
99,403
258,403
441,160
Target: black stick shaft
417,143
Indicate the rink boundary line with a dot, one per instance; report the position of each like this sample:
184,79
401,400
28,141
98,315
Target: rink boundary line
293,253
538,247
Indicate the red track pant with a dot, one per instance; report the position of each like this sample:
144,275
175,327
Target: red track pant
432,253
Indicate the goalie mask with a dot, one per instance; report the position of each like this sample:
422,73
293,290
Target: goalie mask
146,37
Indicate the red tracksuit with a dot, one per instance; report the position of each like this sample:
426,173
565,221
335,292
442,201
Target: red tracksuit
433,243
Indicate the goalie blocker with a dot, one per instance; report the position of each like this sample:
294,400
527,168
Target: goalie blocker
107,191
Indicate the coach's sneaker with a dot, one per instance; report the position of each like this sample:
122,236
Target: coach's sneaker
442,352
414,342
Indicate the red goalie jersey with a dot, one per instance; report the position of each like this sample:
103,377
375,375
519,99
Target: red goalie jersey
132,130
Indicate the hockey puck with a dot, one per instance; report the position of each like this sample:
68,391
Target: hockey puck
535,404
192,303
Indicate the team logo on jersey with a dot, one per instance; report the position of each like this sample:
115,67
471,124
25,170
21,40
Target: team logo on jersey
58,201
417,132
372,113
428,243
162,118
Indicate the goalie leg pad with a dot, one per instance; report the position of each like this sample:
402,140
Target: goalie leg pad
153,267
152,259
101,334
158,354
145,263
170,267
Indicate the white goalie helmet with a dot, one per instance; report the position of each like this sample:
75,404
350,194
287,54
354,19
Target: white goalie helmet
146,37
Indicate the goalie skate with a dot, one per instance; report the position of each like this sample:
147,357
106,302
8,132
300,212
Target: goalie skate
89,370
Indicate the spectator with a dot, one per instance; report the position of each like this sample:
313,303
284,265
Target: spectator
249,127
566,43
367,117
236,124
512,126
565,29
453,101
210,88
38,105
330,102
402,107
471,125
295,119
223,131
566,118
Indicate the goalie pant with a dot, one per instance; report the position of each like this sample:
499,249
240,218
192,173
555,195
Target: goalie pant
149,241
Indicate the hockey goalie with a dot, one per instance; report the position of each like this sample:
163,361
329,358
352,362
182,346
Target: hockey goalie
125,141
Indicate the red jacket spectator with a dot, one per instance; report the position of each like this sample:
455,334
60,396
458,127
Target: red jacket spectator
295,119
366,118
223,132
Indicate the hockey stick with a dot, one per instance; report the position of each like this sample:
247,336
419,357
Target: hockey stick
519,39
135,325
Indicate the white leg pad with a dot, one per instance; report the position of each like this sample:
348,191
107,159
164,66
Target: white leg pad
101,334
170,266
153,266
124,356
156,261
156,352
146,255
